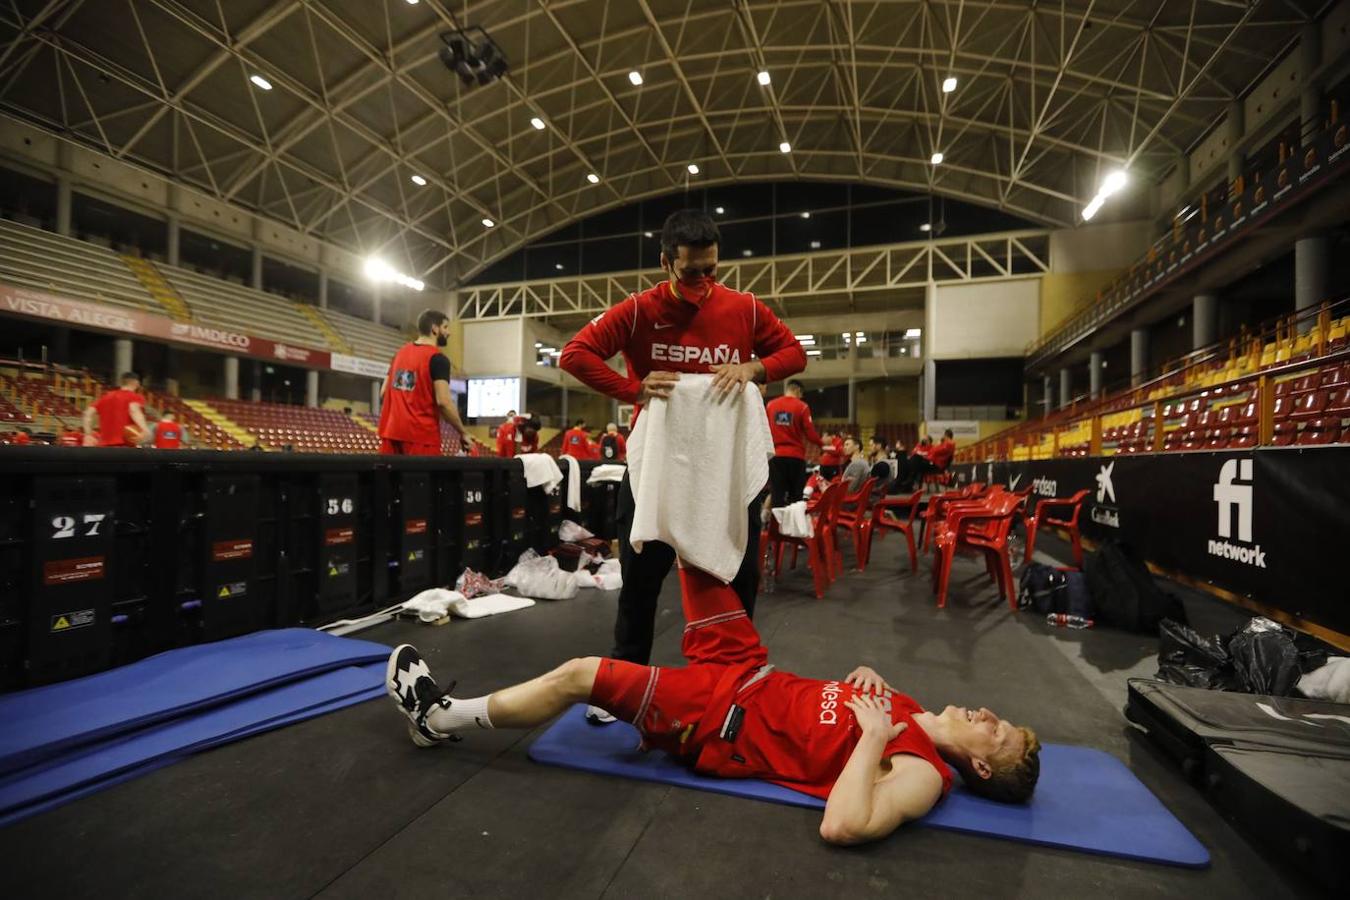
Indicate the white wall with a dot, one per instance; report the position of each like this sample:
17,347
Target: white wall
495,348
970,321
1093,248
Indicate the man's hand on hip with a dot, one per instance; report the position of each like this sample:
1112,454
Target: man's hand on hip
657,384
729,378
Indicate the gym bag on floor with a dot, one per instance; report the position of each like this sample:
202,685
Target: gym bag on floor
1124,592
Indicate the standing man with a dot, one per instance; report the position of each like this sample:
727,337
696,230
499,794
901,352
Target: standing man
688,323
791,426
613,447
121,416
169,435
506,436
416,393
576,442
832,456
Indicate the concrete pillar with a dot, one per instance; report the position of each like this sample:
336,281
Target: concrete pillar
256,393
1065,387
375,304
1236,128
63,203
1138,355
1095,363
1048,388
172,233
1312,270
255,280
928,382
231,378
312,388
564,404
375,397
323,289
1309,59
122,355
852,400
1204,320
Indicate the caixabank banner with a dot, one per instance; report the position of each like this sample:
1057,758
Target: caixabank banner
1271,524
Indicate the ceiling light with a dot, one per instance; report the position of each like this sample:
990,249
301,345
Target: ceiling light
721,210
815,245
558,266
936,159
538,344
859,334
806,215
419,181
805,337
912,334
538,123
646,234
592,178
784,147
693,168
261,82
378,270
949,84
763,77
925,227
1091,209
488,223
412,2
635,77
812,352
808,342
747,252
1114,182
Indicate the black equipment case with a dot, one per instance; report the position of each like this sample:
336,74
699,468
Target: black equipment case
1279,767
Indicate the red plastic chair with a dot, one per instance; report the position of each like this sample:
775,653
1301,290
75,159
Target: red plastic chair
851,516
880,523
980,526
1042,518
820,547
937,507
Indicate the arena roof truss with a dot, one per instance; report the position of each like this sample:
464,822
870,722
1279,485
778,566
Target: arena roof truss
1049,97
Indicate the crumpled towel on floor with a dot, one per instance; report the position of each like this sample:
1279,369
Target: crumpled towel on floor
1330,682
490,605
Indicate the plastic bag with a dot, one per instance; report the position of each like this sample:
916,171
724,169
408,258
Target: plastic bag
1265,658
476,584
570,532
541,578
1187,658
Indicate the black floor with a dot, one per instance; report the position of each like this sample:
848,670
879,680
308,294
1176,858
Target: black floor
345,806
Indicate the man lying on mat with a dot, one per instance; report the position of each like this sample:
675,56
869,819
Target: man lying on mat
876,757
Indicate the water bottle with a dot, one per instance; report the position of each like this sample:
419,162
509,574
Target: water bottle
1064,620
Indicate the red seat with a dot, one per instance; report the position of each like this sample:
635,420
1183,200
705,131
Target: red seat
1043,518
1286,433
980,526
1310,405
1339,401
880,523
1320,431
820,547
852,516
1244,436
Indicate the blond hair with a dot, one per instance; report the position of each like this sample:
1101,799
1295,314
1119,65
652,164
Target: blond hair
1013,773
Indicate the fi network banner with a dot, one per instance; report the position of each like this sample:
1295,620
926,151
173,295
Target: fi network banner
1268,523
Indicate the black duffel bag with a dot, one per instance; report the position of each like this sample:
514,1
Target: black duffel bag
1125,594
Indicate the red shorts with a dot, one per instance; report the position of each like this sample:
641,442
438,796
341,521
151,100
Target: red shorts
664,703
408,448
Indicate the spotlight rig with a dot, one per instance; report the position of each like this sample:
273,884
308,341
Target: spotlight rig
472,55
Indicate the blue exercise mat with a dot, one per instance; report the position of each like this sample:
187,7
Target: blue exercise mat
84,770
37,723
1086,799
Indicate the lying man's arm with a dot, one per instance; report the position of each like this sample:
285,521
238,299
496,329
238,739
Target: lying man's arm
860,808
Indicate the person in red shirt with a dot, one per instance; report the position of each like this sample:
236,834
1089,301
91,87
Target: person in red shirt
22,438
528,429
942,454
875,756
121,416
688,323
577,441
613,447
70,438
506,436
416,393
832,456
169,435
791,426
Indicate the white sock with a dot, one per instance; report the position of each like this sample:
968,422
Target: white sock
461,715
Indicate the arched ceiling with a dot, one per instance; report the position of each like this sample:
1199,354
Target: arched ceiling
1049,97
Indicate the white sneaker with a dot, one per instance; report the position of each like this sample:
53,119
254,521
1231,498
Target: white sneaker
597,716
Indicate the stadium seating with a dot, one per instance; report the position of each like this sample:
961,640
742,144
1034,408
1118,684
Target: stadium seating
225,304
278,426
48,262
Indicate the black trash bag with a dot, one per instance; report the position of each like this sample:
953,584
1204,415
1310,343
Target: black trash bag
1187,658
1265,658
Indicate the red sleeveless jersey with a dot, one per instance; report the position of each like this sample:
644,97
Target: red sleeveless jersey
409,410
168,435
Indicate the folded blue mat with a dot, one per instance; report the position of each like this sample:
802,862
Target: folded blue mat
37,723
85,770
1086,799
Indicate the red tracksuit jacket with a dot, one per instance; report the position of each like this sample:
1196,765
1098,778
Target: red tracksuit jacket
791,426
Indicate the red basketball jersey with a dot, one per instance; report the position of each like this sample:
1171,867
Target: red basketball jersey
409,411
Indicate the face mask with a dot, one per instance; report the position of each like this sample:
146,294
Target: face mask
697,291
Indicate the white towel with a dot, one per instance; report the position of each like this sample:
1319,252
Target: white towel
573,499
488,605
433,603
695,464
1330,682
793,520
540,469
609,472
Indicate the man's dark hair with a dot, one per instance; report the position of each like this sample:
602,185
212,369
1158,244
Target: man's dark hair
130,376
948,433
688,228
429,319
794,385
878,439
578,423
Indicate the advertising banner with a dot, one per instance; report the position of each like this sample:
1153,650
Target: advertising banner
1268,523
